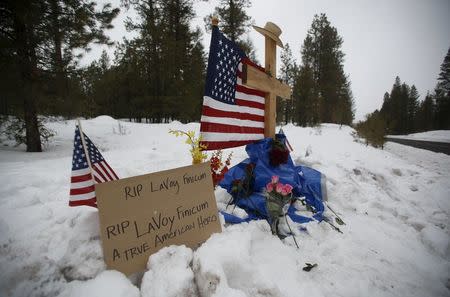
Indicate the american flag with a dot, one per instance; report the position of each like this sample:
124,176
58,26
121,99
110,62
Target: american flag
82,189
288,145
232,114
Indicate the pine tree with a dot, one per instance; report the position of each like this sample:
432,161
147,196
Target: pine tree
425,117
411,109
322,53
306,98
167,59
74,25
18,28
442,96
234,23
391,107
42,35
444,75
288,71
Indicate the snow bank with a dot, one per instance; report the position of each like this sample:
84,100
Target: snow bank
246,260
394,202
170,273
106,284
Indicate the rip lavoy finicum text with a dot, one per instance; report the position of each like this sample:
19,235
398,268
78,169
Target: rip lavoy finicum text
160,226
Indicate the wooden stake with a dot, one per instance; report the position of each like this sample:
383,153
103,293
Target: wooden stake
215,21
271,99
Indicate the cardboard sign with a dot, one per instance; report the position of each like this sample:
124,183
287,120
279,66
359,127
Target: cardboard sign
140,215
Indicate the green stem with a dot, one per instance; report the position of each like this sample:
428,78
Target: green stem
290,230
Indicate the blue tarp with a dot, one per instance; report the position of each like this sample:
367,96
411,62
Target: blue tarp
306,182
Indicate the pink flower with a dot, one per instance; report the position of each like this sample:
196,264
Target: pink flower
288,189
269,187
283,191
279,188
275,179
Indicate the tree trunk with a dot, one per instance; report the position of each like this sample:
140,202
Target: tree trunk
58,63
28,72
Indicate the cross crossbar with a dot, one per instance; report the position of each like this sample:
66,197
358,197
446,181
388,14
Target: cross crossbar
257,79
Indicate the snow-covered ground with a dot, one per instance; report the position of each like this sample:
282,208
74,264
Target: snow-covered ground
437,135
395,202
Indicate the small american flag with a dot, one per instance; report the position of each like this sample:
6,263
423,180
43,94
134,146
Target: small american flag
82,189
288,145
232,114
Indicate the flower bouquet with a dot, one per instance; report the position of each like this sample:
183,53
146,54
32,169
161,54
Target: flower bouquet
218,167
277,196
242,188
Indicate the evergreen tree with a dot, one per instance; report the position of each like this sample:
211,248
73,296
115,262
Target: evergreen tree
391,108
167,59
18,24
73,25
322,53
444,75
373,129
412,106
234,23
40,37
288,71
306,98
425,117
442,96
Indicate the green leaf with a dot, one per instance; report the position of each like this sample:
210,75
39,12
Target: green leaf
339,221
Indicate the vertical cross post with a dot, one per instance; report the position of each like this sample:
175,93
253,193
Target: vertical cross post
271,100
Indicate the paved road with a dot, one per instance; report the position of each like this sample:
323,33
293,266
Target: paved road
439,147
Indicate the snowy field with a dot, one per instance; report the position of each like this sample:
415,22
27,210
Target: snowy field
396,203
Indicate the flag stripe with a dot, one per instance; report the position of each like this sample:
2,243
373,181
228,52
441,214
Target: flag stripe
211,112
81,178
86,196
84,190
208,101
79,172
250,93
82,184
104,170
213,136
111,171
99,173
230,121
216,145
88,202
215,127
250,104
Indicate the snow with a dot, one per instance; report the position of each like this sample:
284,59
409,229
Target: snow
437,136
169,273
108,283
395,203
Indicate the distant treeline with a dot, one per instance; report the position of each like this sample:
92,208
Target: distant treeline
403,113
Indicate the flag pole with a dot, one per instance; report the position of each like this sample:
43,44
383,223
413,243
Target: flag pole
86,152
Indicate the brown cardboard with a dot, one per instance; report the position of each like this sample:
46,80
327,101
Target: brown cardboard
142,214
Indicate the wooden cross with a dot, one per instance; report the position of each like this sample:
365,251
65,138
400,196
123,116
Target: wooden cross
267,82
